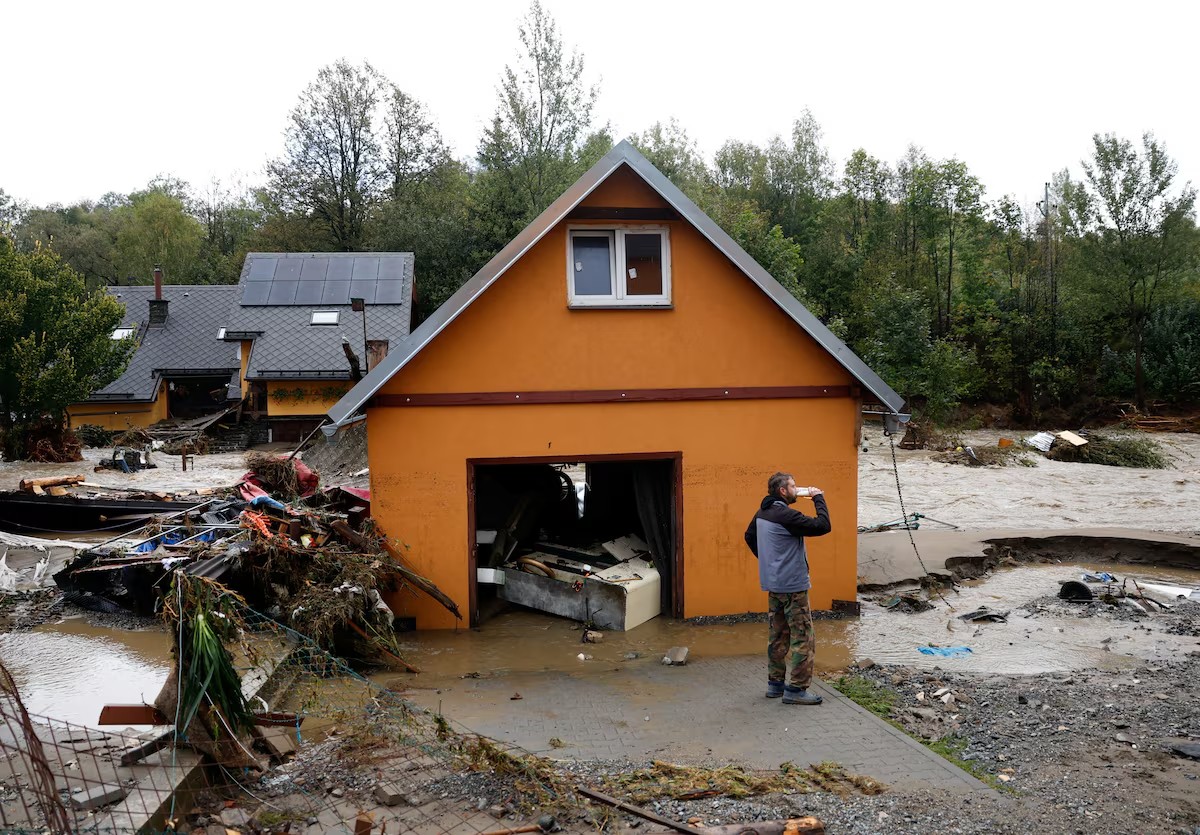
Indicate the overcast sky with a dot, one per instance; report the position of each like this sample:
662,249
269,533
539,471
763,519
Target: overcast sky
102,97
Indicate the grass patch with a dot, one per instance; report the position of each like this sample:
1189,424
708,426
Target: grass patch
880,701
866,693
951,747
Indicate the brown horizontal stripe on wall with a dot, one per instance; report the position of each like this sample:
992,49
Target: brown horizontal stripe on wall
516,398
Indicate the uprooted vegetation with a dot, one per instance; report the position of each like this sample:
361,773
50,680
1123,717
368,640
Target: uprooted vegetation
663,780
1113,451
981,456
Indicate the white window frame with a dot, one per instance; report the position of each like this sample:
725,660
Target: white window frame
616,236
122,332
312,320
220,334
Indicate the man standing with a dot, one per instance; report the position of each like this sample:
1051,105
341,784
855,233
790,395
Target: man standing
776,536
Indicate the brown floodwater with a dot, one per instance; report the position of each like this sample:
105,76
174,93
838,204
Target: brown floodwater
69,669
526,641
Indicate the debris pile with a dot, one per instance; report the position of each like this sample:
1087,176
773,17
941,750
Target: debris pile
302,564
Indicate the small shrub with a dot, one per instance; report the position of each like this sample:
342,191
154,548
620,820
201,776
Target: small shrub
91,435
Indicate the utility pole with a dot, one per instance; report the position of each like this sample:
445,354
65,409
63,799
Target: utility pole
1051,278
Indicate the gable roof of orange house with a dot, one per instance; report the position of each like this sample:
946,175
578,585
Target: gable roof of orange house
623,154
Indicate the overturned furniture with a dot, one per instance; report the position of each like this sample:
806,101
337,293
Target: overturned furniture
614,586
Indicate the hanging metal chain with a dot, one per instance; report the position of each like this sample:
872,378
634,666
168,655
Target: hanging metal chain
904,516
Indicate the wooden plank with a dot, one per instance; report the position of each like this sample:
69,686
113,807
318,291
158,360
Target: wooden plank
518,398
28,485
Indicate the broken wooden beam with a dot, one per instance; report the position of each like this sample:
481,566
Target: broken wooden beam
359,541
35,485
634,810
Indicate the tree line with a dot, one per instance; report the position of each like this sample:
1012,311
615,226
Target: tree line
1056,311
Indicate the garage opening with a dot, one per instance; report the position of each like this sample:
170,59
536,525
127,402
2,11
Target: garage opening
595,539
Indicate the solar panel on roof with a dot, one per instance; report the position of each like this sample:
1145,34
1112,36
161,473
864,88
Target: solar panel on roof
366,268
262,269
288,269
283,292
336,292
389,292
391,269
314,269
309,292
363,289
256,292
326,279
339,269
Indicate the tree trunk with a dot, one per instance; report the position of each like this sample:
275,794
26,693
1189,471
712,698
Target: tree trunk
1139,373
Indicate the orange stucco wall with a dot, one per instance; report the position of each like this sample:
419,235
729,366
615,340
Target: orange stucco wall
720,331
121,416
319,398
244,348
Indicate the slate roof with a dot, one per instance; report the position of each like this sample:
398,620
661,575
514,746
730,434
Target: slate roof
187,345
622,154
275,309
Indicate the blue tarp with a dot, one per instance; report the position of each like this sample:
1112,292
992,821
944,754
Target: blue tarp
944,652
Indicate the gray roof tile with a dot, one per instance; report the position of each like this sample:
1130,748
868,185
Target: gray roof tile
186,344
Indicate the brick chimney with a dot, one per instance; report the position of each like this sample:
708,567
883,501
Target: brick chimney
158,305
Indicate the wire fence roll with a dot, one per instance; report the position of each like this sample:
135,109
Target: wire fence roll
330,751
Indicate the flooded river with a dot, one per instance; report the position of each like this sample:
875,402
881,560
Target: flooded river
69,669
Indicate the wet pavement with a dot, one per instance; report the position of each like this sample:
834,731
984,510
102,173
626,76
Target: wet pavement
711,710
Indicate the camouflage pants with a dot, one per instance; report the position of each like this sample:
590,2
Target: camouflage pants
791,641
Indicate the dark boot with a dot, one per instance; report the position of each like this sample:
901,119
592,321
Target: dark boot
800,696
774,689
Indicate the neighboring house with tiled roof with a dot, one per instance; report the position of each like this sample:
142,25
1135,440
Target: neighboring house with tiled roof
293,317
182,366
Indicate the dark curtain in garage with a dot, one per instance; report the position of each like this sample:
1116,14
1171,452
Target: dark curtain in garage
654,493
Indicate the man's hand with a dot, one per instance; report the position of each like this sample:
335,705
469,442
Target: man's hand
815,491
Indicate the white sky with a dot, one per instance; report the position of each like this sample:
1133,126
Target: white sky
101,97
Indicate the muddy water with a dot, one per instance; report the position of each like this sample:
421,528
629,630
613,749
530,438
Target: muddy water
526,641
1024,644
70,669
218,470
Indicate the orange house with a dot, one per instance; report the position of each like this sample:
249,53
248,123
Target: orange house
621,329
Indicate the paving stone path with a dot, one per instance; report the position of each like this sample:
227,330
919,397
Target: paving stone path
712,710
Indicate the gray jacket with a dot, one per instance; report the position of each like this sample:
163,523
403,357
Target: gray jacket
776,537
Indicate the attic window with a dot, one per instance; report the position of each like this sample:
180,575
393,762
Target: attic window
622,267
324,317
122,333
220,333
